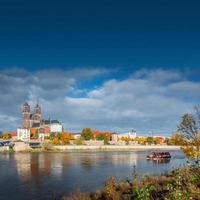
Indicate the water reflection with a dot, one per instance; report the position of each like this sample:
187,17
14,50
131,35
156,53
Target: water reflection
40,174
33,166
159,161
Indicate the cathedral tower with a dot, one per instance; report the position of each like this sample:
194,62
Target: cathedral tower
26,116
37,114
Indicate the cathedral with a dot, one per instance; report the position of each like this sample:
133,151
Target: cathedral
34,120
31,120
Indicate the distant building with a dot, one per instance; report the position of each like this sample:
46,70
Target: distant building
131,135
23,134
31,120
114,137
40,133
54,125
34,120
77,135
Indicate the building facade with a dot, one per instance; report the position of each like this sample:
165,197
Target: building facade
31,120
54,125
34,120
23,134
130,135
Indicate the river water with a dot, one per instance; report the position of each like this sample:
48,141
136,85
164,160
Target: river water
46,175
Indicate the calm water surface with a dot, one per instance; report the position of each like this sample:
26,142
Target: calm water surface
44,175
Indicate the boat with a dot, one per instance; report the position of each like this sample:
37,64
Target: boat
159,155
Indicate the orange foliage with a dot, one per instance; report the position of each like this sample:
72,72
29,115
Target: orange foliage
62,138
159,140
56,140
33,131
98,133
140,140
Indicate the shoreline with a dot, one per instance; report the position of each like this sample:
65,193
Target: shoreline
114,147
93,148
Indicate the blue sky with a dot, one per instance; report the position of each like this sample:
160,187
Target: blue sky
71,53
130,35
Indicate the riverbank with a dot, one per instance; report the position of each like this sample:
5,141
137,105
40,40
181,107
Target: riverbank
114,147
180,184
70,148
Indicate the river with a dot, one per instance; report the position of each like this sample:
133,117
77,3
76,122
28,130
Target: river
45,175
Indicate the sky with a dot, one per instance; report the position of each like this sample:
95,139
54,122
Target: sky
108,65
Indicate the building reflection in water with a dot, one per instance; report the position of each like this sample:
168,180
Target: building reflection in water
128,160
23,165
34,166
91,160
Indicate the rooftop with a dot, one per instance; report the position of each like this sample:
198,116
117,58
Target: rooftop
50,121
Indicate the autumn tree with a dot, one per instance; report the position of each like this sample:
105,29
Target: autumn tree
140,140
103,137
87,134
189,129
150,140
176,139
6,136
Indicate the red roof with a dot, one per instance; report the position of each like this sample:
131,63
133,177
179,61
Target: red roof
13,134
46,130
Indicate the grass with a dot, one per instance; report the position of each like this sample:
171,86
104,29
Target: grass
180,184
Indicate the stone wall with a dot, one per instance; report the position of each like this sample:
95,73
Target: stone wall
93,142
21,146
115,147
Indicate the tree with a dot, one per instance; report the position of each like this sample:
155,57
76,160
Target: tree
140,140
87,134
189,129
6,136
62,138
150,140
159,140
103,137
176,139
34,133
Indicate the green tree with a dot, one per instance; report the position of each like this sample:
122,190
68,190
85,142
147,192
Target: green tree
87,134
189,128
103,137
150,140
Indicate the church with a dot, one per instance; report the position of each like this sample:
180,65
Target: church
34,120
31,120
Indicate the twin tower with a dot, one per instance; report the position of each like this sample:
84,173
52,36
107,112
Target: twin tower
30,120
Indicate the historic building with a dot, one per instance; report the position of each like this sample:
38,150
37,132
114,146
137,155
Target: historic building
31,120
34,120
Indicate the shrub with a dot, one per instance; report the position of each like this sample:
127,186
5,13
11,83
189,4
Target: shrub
180,184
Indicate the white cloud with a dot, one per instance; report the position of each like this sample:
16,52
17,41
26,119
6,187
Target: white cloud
146,101
159,75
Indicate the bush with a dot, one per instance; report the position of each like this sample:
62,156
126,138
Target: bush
180,184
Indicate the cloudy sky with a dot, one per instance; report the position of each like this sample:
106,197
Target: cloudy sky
108,64
146,100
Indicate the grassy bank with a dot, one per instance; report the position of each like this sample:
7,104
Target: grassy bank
180,184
